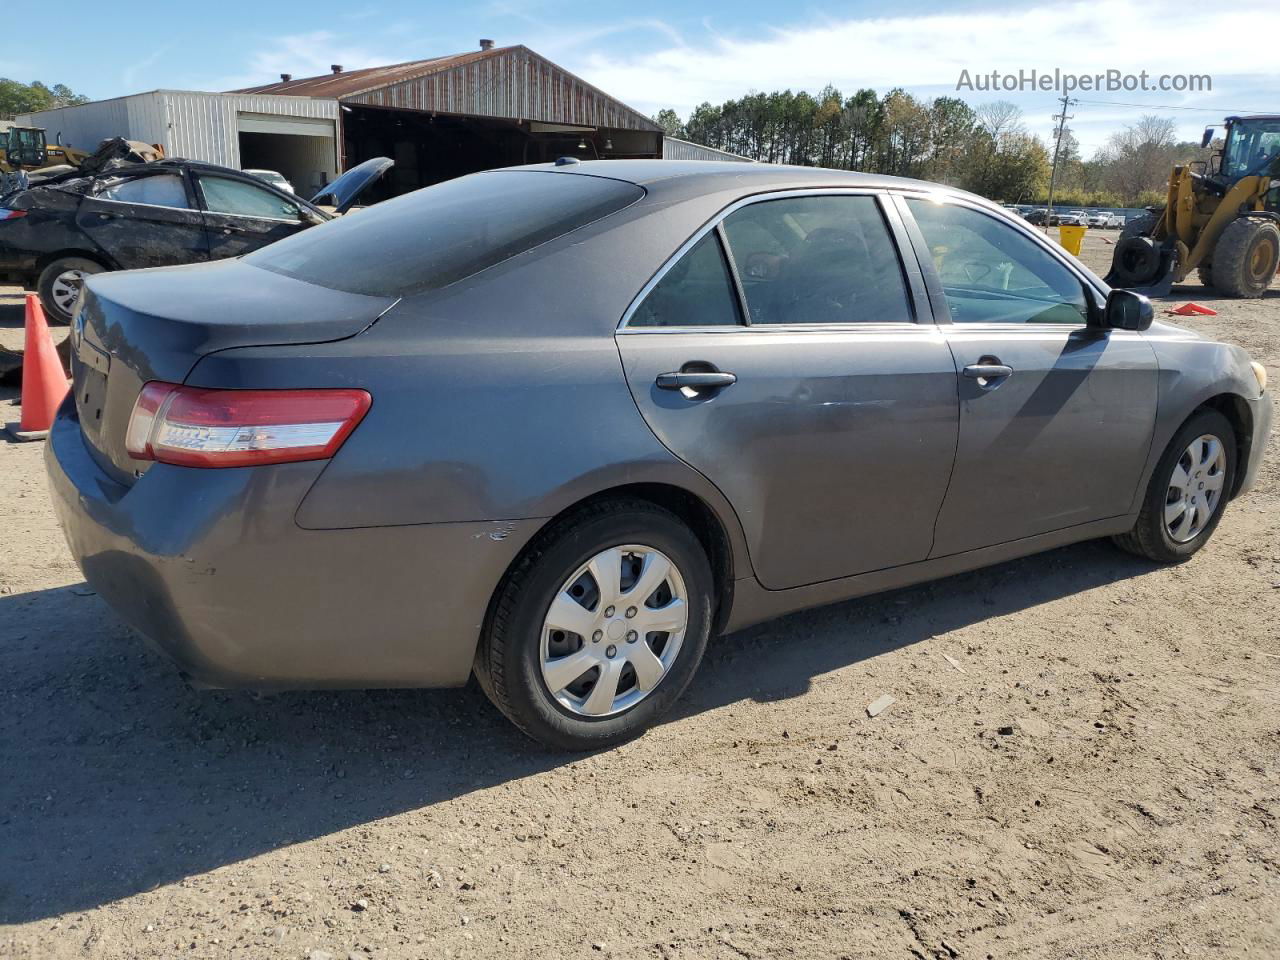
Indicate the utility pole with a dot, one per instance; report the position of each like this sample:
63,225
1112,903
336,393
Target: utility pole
1062,119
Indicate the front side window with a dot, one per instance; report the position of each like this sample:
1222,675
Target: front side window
696,292
991,273
818,259
224,195
160,190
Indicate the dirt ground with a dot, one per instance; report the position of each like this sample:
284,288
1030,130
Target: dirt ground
1083,761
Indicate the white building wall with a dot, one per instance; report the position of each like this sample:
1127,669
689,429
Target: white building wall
196,126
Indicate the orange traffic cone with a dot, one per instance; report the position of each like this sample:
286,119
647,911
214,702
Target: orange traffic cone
1194,310
44,382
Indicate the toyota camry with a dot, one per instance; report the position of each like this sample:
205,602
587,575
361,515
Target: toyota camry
556,426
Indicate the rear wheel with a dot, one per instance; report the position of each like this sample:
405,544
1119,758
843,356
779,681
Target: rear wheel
59,285
1246,257
1205,274
599,628
1188,491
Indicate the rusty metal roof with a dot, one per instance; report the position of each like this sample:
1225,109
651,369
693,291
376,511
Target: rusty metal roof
510,82
351,82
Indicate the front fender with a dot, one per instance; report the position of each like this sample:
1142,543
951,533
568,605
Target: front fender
1192,372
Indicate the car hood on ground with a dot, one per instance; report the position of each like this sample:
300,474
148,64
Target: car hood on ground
343,192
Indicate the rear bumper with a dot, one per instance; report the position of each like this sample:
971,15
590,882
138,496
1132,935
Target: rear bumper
1261,411
211,568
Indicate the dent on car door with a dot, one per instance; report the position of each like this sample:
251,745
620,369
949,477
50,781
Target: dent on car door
1056,416
241,216
823,411
146,220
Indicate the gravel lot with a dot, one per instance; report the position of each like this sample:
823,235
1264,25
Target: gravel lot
1083,761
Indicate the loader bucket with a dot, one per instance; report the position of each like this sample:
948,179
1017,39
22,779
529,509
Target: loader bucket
1143,266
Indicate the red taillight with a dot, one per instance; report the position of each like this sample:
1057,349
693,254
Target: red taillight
195,427
7,214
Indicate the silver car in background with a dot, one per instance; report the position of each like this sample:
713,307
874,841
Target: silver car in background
558,425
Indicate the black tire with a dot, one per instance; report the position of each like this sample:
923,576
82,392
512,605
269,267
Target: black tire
1205,274
508,661
48,280
1246,257
1140,226
1136,261
1150,537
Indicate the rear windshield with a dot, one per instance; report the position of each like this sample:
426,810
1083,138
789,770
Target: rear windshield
441,234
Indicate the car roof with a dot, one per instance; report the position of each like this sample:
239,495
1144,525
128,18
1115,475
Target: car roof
646,173
677,179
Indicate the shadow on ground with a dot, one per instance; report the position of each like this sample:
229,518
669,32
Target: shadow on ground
118,779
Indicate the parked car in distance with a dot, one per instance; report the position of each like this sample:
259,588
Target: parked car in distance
274,178
1116,220
1038,217
559,424
1099,218
57,232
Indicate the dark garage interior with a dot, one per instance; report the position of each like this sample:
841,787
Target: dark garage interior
431,147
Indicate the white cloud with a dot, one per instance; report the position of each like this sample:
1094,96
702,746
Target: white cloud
306,55
1086,37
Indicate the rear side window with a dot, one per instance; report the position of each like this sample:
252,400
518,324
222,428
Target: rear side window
696,292
818,259
160,190
436,236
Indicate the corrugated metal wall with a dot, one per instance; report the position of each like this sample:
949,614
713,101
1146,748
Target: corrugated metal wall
519,85
676,149
202,126
85,126
197,126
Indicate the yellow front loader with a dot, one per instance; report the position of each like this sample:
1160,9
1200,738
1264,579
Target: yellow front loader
1224,224
25,148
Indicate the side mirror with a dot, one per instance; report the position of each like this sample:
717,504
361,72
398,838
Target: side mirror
1207,138
1127,310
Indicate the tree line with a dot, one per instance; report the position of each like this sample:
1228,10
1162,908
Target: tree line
17,97
986,149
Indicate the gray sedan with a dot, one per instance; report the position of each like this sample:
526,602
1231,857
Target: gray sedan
558,425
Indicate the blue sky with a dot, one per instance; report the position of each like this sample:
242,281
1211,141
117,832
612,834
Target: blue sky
677,54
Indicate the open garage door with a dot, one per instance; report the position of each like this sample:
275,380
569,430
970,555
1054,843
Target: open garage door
303,149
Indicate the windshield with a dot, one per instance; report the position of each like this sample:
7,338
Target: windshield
25,146
441,234
1250,145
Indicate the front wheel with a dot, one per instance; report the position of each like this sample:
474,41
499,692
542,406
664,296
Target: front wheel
1246,257
599,628
1187,493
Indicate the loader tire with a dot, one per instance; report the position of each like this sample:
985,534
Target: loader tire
1205,273
1246,257
1136,262
1139,226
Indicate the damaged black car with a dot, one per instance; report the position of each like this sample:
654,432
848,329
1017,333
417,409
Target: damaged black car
115,213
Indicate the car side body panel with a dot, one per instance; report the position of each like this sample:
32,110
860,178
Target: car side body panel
1193,371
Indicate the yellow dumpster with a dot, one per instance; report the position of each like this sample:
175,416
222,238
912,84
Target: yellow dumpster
1072,239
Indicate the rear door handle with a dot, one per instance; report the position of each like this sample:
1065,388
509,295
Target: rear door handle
700,380
987,371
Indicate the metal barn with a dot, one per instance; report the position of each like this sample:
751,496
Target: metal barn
493,107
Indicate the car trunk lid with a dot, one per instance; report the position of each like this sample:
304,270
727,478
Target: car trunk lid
156,324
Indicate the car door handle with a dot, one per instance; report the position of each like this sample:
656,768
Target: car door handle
695,380
987,371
